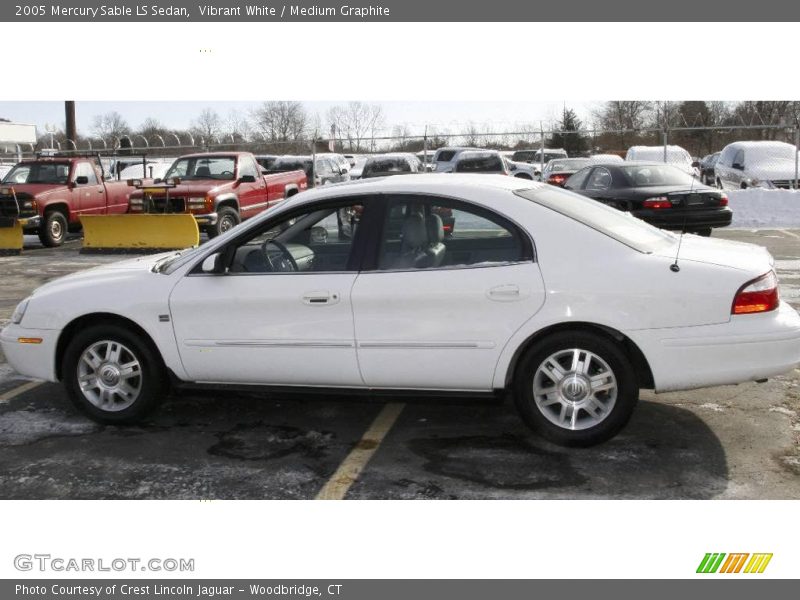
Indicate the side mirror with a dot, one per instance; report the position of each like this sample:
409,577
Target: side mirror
247,179
738,166
212,264
81,180
157,180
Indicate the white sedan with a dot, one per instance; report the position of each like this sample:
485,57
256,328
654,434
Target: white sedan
570,305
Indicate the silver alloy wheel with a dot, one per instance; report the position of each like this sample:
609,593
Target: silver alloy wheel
575,389
110,375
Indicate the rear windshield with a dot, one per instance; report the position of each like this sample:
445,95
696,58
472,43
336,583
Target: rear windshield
387,165
655,175
576,164
47,173
619,225
480,164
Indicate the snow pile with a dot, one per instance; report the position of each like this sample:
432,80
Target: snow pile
764,209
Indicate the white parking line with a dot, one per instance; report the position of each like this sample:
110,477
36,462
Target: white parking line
790,234
25,387
352,466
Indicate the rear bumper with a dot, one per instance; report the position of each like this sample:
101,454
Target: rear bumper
32,360
747,348
686,219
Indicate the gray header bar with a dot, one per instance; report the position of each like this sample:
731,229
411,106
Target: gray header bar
405,11
744,588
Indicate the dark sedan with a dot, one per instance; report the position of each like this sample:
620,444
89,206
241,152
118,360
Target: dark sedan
660,194
707,174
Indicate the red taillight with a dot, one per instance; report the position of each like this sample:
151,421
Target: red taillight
723,200
557,179
758,295
659,202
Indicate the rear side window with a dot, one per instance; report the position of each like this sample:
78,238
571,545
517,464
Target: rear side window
482,164
434,233
445,156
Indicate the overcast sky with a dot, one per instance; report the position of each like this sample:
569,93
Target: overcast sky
453,115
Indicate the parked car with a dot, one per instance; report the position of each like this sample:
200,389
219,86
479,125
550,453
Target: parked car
519,299
339,160
480,161
220,189
661,194
707,173
49,195
391,164
324,172
358,167
534,155
523,170
675,156
445,158
763,164
266,160
426,158
558,170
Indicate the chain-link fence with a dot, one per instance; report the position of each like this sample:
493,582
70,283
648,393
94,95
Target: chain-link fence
765,165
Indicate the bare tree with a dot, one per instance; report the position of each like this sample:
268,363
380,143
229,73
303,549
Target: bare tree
357,122
622,115
110,127
282,121
237,127
208,125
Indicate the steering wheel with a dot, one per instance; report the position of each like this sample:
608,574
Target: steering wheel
227,173
285,263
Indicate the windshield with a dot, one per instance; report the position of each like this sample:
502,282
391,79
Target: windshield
621,226
203,167
387,165
655,175
480,164
48,173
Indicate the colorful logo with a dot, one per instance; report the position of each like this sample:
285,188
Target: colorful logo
719,562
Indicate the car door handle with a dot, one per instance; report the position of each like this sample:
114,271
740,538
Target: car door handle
320,298
504,292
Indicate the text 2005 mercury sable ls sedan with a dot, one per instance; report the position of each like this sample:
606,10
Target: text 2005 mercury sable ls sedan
571,305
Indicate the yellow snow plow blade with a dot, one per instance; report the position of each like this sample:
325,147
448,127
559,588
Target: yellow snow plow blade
11,239
146,233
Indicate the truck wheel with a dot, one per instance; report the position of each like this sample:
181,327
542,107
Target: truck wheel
227,218
112,375
53,229
575,388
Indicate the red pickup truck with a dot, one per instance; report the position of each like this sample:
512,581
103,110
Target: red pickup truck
220,189
49,195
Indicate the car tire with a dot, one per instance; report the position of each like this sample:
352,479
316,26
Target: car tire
53,229
227,218
597,385
112,375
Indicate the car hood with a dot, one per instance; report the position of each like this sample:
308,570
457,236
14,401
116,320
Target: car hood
38,190
105,275
750,258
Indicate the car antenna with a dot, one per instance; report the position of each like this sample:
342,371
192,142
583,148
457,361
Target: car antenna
674,267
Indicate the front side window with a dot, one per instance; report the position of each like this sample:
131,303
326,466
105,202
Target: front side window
247,167
431,233
85,170
203,167
318,241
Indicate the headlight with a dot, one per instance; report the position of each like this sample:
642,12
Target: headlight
19,312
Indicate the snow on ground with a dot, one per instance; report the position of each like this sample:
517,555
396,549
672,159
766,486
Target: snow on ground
765,209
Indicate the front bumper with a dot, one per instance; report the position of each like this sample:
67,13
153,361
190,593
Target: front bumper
206,219
747,348
30,223
37,360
